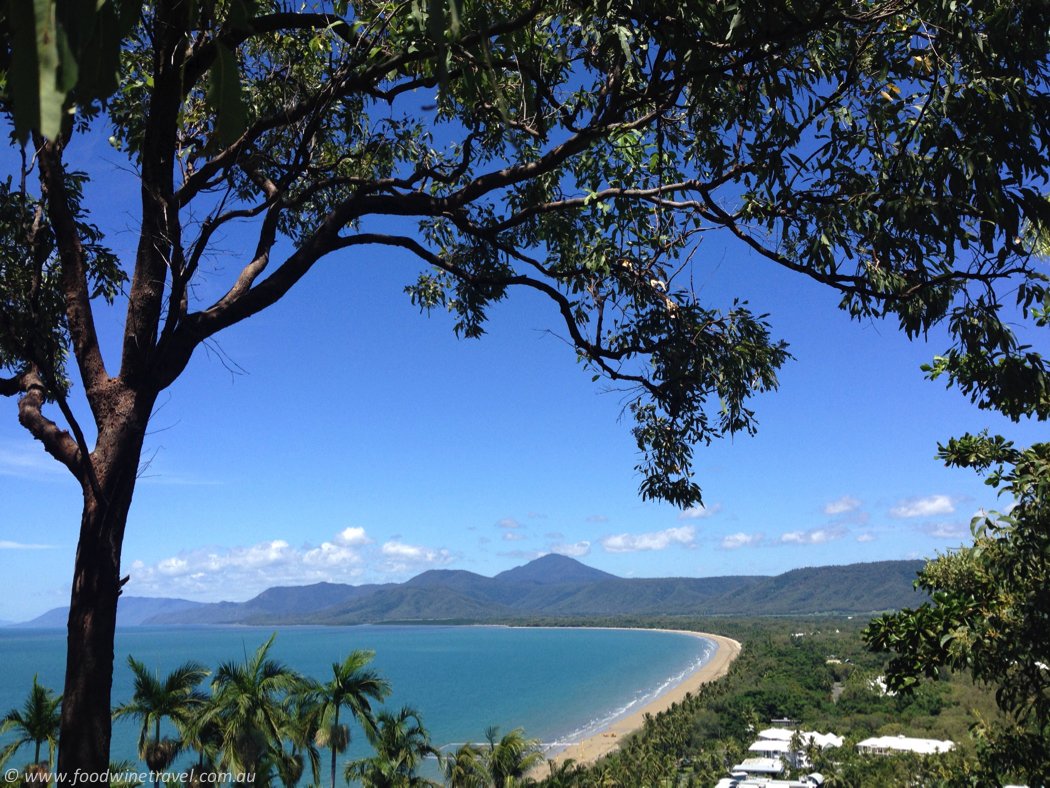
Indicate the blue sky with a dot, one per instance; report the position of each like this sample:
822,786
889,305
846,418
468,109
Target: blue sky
365,443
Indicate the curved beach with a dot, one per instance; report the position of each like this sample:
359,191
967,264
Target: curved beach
606,740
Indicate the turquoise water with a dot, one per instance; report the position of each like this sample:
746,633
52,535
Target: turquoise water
560,685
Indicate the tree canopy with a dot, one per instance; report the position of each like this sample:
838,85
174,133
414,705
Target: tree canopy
893,151
988,610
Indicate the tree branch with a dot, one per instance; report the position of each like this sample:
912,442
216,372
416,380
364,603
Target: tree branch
57,442
10,387
79,318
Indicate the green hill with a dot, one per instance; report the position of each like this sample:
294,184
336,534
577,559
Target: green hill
558,586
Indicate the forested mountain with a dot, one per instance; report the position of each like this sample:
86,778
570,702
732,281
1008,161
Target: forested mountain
561,586
553,568
132,611
855,588
272,604
550,586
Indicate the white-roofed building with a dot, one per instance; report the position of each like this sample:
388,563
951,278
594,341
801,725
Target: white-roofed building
889,745
771,748
822,740
776,743
764,766
741,781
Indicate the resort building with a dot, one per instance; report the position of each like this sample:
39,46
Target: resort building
746,781
764,767
822,740
889,745
775,743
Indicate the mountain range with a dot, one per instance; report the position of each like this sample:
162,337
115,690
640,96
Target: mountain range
550,586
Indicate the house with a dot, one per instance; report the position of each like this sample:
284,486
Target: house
890,745
776,743
759,766
747,781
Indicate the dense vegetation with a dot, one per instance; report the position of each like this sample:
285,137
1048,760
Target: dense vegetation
780,674
265,721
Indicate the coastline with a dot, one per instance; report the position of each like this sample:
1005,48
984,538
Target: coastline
606,740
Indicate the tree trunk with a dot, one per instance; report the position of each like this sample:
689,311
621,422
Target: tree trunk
331,742
86,725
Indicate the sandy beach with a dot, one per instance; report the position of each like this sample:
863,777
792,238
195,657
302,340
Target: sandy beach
594,747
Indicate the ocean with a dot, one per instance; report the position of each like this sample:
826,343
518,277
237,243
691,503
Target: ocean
561,685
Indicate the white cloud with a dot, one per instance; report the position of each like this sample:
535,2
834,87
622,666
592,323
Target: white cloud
353,537
597,518
509,522
866,538
401,557
554,535
657,540
699,511
238,573
947,530
578,549
533,515
510,536
22,546
847,503
923,507
733,541
814,535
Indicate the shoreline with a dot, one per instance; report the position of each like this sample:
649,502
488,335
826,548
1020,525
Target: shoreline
607,739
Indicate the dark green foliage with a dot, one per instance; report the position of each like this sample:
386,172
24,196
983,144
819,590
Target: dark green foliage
36,723
176,699
32,308
59,56
989,612
778,674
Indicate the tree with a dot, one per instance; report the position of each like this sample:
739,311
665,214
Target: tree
351,687
989,610
204,737
892,151
249,706
36,723
401,743
465,768
176,698
510,757
302,729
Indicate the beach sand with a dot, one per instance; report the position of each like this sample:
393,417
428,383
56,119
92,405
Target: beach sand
605,741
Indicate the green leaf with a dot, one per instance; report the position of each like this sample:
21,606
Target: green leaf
224,95
37,101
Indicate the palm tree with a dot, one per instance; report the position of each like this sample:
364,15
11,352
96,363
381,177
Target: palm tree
176,698
302,729
401,743
249,706
36,723
352,684
123,774
511,758
203,736
465,768
565,774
